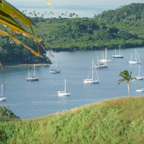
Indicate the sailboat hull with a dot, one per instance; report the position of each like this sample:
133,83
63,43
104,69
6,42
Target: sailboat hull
2,98
117,56
140,90
134,62
139,78
90,81
32,79
104,60
100,66
54,71
63,93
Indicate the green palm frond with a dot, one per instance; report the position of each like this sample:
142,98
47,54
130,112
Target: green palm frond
7,15
120,81
126,76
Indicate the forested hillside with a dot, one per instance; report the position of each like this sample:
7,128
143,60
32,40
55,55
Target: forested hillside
128,18
116,121
123,26
12,53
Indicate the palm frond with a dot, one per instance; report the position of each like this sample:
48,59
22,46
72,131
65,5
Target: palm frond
49,3
19,42
126,76
7,15
12,11
120,81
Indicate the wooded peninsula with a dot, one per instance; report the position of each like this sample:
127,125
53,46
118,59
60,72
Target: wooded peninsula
110,29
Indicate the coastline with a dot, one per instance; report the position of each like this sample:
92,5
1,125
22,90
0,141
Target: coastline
22,65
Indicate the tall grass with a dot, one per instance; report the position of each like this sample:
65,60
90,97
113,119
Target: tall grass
116,121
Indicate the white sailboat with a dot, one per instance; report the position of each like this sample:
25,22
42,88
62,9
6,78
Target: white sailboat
104,59
140,77
117,55
140,90
2,97
56,70
63,93
32,78
92,80
136,60
100,64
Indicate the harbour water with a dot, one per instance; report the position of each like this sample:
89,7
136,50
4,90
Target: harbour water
35,99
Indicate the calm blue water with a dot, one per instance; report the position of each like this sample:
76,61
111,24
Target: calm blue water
35,99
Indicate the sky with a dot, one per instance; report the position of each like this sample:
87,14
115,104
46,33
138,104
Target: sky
55,3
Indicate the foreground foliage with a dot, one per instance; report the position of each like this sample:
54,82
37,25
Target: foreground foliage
7,115
11,21
114,121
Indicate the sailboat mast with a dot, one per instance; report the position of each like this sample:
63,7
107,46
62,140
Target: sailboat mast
65,86
119,50
2,90
56,64
135,55
139,71
102,55
92,69
34,70
28,73
105,53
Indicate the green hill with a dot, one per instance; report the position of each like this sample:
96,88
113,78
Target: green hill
123,26
116,121
128,18
7,115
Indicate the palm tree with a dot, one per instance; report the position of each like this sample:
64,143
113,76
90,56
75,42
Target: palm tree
126,76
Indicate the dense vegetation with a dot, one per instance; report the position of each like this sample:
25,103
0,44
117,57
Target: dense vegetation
7,115
114,121
11,53
123,26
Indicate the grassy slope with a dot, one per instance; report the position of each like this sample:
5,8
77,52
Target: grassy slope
115,121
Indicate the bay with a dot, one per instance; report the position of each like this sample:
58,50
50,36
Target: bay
35,99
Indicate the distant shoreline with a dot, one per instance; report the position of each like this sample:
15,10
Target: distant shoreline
22,65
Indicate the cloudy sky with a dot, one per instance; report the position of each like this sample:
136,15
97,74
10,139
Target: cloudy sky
74,2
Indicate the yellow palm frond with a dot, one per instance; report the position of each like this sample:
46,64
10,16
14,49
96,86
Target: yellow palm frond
49,3
12,11
7,13
3,33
